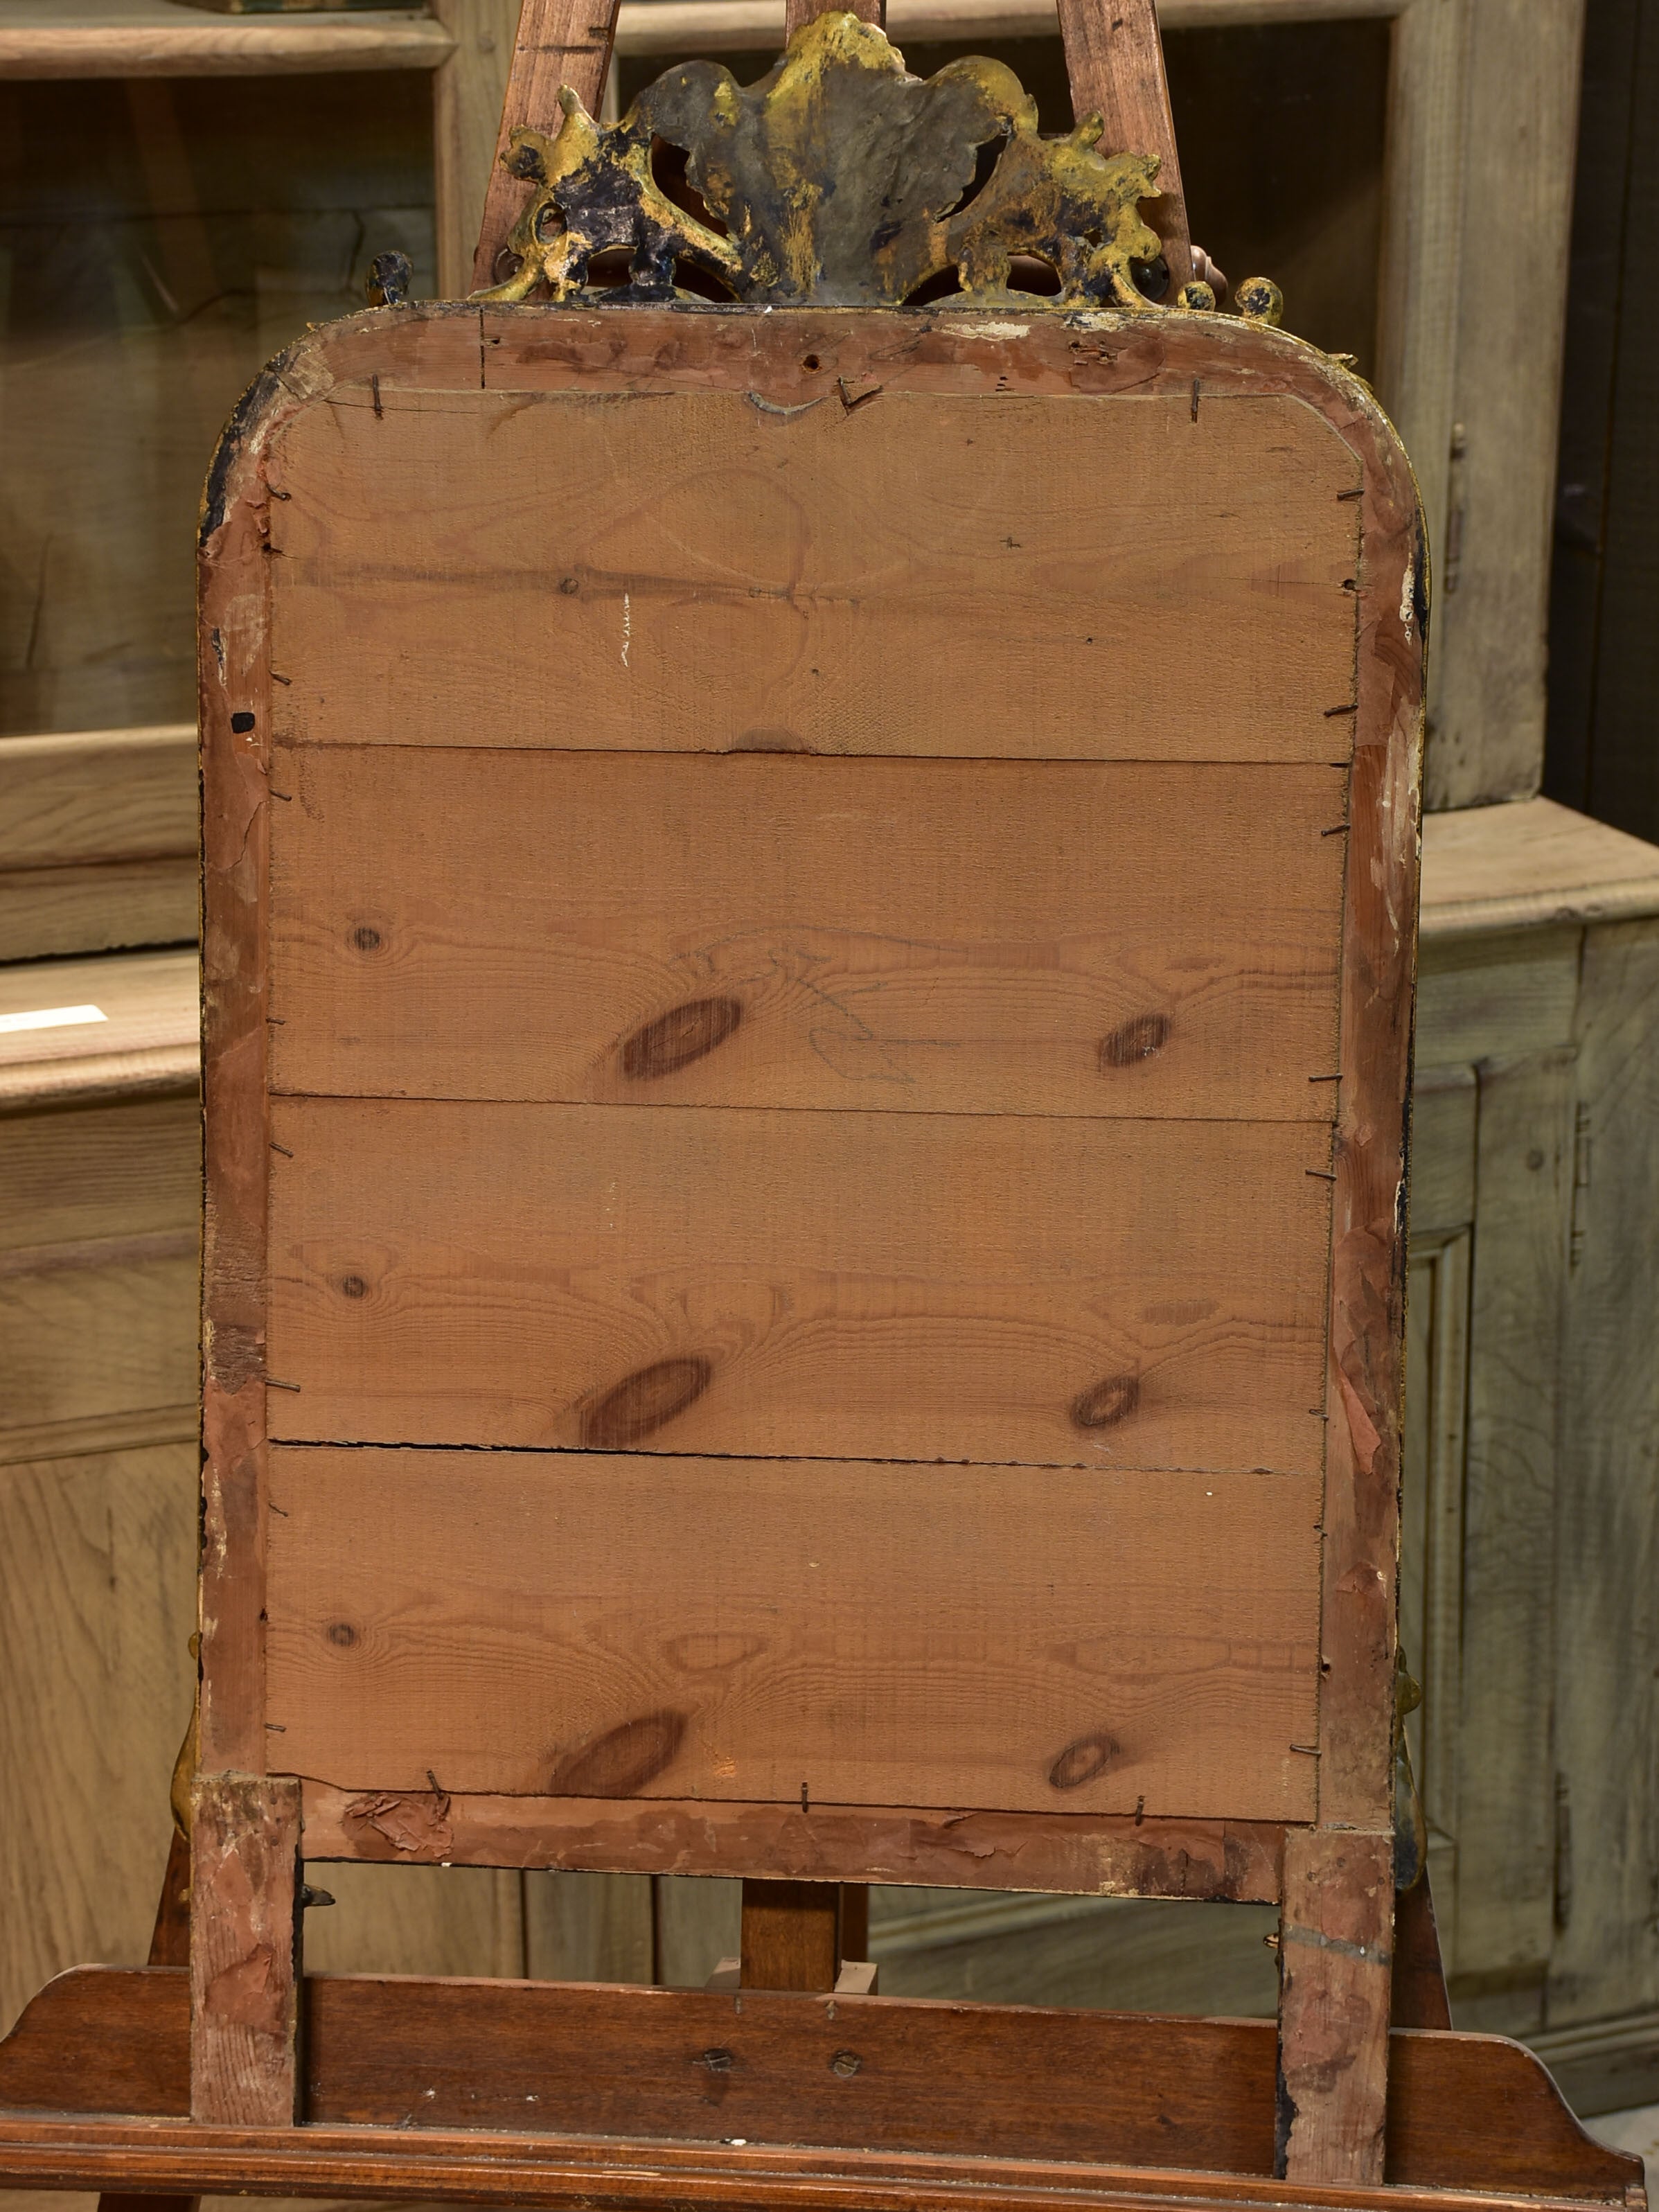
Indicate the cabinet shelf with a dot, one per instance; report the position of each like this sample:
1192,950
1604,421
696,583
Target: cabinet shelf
662,27
167,38
163,38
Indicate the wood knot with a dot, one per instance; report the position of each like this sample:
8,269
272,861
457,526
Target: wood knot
1104,1404
365,937
675,1039
342,1633
622,1760
642,1402
1132,1042
1084,1760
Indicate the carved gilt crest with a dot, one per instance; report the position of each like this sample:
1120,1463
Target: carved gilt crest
841,181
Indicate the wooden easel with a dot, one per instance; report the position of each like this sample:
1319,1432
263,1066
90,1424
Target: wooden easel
400,774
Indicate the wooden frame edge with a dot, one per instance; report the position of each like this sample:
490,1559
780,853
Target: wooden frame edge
1070,1854
170,2156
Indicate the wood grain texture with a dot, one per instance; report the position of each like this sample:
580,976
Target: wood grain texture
1466,2112
467,96
1334,2005
1443,1112
1115,59
1497,998
97,1599
1506,1808
245,1950
705,574
1520,115
102,906
153,38
97,841
1532,864
234,710
98,795
883,1285
1365,1390
876,1635
790,1935
426,1920
1421,246
423,358
1071,1853
559,42
1433,1498
798,12
1605,1956
1152,941
95,1172
597,1927
676,27
145,1041
1335,1960
97,1343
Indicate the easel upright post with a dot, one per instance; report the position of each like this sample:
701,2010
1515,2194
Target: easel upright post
1114,58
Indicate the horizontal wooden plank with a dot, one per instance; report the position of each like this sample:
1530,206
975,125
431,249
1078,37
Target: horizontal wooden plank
98,795
1466,2113
1496,998
856,2073
91,1331
699,26
605,1625
97,840
99,1171
988,936
84,1028
866,1285
118,1432
1070,1854
692,571
1530,864
164,38
104,906
977,2080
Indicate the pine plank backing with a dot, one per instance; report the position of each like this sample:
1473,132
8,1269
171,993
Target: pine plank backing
884,1285
607,1624
919,574
986,937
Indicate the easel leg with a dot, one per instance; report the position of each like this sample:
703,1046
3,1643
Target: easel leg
854,1920
245,1950
791,1935
1335,1941
169,1945
1419,1977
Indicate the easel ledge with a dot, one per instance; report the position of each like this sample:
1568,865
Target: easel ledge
395,2109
